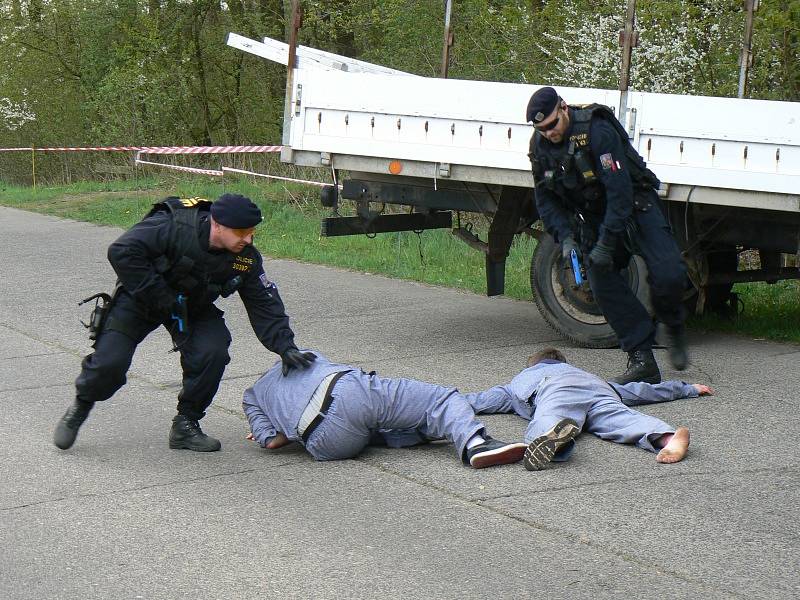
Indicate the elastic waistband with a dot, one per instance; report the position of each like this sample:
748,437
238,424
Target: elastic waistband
320,402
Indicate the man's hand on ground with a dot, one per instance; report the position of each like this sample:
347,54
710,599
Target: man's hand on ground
278,441
294,359
703,390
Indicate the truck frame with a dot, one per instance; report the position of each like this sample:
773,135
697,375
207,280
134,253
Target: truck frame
729,167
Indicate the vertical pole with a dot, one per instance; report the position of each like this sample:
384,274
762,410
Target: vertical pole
296,23
448,38
627,41
33,166
746,57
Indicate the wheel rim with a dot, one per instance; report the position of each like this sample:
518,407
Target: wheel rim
578,301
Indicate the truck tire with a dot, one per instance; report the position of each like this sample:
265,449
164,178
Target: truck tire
570,310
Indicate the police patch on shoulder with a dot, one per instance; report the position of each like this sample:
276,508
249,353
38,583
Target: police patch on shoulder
607,162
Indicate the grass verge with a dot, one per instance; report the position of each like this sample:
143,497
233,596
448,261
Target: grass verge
292,230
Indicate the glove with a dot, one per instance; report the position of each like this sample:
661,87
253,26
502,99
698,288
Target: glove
227,288
602,255
294,359
567,246
163,305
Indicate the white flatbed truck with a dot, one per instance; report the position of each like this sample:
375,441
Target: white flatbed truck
730,171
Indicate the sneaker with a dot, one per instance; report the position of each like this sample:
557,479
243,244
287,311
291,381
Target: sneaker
187,435
642,366
677,348
67,428
494,452
540,452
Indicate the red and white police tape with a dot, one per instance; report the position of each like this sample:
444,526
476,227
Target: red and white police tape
152,149
211,172
216,173
317,183
178,150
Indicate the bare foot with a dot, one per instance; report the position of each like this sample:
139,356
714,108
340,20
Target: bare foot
676,448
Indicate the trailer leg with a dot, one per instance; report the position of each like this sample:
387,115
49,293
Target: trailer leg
495,276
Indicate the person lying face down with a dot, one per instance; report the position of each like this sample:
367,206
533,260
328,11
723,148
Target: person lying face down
561,400
336,410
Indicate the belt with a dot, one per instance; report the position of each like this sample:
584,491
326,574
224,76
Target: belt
320,402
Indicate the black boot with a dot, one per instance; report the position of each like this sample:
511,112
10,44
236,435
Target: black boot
187,435
67,428
642,366
677,348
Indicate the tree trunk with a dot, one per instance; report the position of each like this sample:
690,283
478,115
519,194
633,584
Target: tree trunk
198,18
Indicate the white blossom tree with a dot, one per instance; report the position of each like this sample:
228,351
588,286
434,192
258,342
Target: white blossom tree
679,50
14,115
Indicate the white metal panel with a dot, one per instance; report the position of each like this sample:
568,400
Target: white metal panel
307,58
689,140
439,120
730,197
431,97
720,142
478,128
707,117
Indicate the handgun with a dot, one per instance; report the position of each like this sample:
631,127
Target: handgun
577,268
181,313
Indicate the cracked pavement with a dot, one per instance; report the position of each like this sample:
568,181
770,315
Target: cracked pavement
120,515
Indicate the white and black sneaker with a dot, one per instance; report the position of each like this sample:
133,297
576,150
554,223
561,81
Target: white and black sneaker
540,452
493,452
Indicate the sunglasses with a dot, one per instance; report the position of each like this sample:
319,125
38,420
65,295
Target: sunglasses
551,125
243,233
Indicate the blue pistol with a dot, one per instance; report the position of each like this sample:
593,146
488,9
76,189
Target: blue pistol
576,268
180,313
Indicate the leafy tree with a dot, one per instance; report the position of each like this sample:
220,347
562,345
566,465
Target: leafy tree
148,72
776,42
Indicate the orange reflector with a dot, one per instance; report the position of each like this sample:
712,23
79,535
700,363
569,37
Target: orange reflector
395,167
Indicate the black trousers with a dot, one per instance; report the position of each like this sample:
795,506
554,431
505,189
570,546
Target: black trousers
666,277
204,355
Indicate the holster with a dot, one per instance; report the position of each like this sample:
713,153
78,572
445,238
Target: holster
99,314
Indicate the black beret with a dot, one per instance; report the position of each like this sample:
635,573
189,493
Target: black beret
235,211
541,104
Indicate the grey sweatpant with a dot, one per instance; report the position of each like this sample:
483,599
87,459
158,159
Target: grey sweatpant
605,416
363,404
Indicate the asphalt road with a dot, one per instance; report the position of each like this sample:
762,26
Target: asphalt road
121,516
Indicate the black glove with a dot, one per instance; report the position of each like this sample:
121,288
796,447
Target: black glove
567,246
227,288
162,306
294,359
602,255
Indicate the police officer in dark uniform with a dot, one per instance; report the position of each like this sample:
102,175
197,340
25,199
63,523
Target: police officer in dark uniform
595,195
171,267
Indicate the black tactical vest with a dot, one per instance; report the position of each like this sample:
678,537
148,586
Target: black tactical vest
568,169
183,266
